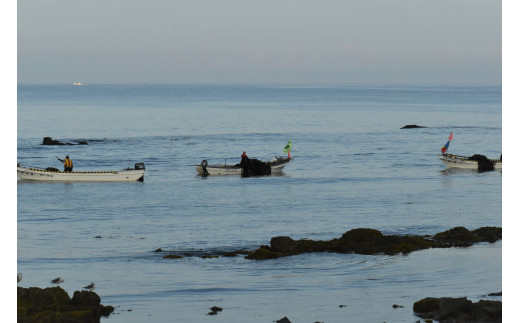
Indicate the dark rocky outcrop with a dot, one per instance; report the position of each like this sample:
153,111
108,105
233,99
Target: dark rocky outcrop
215,310
461,309
48,141
53,304
412,126
370,241
462,237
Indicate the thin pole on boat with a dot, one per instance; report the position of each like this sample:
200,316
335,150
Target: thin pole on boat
225,160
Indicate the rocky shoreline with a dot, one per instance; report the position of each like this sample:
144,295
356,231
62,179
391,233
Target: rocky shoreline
361,241
53,304
370,241
448,309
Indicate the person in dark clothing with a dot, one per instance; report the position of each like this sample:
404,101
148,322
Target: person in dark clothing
244,159
67,164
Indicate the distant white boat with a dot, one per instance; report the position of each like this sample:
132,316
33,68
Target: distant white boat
53,175
78,83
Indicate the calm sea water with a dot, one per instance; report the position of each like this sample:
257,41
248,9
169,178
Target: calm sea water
353,167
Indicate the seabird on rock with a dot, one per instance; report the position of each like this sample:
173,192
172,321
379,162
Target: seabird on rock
19,277
92,286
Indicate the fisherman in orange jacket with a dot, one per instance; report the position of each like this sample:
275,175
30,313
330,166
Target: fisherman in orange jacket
67,164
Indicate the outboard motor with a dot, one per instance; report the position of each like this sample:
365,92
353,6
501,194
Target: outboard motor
204,164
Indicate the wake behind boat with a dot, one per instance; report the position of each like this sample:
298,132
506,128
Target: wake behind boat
276,164
55,175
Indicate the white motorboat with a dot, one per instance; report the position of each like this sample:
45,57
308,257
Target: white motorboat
277,164
464,162
54,175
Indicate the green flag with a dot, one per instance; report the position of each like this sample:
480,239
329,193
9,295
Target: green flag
288,147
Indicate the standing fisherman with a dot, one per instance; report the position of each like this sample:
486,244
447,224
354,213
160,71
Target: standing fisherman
67,164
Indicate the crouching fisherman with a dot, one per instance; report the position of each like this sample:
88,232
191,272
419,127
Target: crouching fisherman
67,164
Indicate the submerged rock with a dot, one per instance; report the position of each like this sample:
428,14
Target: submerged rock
173,256
370,241
53,304
447,309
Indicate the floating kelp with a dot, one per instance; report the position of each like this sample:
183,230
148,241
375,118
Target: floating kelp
254,167
484,164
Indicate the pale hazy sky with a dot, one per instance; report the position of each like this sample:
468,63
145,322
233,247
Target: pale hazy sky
260,41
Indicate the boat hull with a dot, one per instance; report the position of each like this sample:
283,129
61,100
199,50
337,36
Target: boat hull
35,174
216,170
462,162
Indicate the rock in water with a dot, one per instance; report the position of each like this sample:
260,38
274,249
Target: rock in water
50,141
53,304
447,309
412,126
368,241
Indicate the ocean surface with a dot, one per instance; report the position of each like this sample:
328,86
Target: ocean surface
353,167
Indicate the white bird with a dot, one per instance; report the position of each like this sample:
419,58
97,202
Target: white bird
19,277
92,286
57,281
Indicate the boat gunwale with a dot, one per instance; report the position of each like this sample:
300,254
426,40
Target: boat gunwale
449,157
21,168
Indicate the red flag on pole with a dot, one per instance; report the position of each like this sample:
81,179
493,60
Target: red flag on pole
444,148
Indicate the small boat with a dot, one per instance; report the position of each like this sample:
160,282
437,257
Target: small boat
55,175
464,162
277,163
77,83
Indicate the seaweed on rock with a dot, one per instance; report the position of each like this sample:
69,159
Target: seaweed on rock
370,241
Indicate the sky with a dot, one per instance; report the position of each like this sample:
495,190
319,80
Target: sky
253,41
